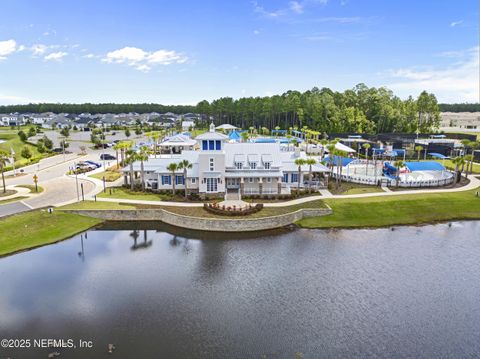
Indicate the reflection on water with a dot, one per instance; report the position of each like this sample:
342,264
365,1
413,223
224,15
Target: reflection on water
156,291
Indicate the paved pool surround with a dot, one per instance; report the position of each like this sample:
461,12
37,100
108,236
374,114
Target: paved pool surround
206,224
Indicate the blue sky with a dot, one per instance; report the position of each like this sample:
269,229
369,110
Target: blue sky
180,52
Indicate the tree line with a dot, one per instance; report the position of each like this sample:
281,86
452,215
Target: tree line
359,110
459,107
96,108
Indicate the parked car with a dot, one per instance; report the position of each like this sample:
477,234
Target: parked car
106,156
97,165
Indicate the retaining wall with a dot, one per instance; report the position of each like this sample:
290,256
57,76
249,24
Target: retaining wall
204,223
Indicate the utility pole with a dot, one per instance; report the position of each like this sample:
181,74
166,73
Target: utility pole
76,182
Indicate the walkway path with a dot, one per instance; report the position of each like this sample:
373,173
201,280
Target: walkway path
324,194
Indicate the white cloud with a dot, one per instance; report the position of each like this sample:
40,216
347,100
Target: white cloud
261,10
6,48
458,82
143,68
143,60
127,54
456,23
39,49
166,57
55,56
256,32
89,56
296,7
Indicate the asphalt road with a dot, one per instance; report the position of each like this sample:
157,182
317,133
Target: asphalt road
52,171
11,208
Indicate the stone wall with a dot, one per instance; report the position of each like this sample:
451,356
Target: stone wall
204,223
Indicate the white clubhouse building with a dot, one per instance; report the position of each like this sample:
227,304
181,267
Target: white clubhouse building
219,166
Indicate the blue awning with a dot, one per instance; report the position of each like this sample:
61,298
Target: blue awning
437,155
336,160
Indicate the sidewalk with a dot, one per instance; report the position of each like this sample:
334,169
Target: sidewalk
474,183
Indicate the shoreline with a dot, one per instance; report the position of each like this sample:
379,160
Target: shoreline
33,229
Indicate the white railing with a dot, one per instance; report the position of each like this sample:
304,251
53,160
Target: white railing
392,182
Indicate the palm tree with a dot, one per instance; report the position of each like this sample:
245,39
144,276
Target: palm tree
458,162
117,147
366,146
142,156
131,158
324,143
184,165
4,159
124,146
341,154
173,167
418,149
276,130
154,135
299,162
245,136
398,166
468,161
310,162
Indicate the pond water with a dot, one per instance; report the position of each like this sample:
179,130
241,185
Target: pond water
158,292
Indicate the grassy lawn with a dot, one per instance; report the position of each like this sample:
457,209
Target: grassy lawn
33,229
97,205
13,141
125,193
352,188
466,133
396,210
19,198
110,175
31,187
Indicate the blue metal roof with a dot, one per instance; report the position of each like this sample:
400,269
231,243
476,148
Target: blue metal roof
234,135
424,166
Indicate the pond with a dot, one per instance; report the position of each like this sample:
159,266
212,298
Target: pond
159,292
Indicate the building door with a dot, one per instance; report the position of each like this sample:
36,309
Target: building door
212,184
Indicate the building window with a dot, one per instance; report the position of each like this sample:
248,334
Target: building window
285,178
269,180
204,145
266,165
166,180
218,145
194,180
179,179
294,177
253,165
212,164
250,179
211,145
212,184
238,165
